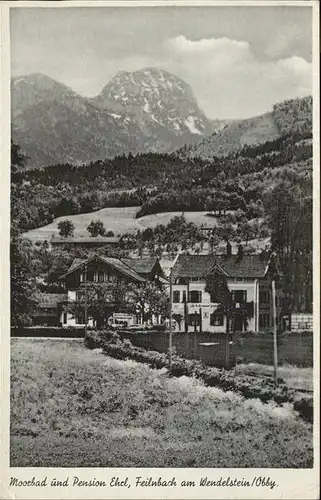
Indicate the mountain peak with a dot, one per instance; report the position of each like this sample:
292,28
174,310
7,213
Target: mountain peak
159,99
145,110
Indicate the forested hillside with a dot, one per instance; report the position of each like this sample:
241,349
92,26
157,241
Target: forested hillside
288,117
158,183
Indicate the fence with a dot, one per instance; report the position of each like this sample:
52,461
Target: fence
301,321
293,349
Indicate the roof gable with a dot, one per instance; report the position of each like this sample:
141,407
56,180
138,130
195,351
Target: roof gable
143,266
198,266
116,263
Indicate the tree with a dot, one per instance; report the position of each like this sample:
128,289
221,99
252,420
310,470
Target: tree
18,158
22,281
101,300
246,231
66,228
178,318
149,299
21,258
67,206
289,215
96,228
216,286
213,242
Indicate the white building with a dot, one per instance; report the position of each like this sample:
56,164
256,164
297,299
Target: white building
249,280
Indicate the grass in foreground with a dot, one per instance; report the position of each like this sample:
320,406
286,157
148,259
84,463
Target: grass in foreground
71,407
294,377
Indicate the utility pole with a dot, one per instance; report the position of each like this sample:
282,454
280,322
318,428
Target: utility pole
170,347
275,346
227,341
86,311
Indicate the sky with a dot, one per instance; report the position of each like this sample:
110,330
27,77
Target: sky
239,61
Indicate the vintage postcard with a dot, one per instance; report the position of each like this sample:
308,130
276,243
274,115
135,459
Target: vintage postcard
160,249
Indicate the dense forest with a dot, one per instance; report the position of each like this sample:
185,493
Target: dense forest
156,184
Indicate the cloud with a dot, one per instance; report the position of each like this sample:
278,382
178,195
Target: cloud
230,80
207,45
287,41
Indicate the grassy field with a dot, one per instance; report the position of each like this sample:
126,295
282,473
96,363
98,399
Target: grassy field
71,407
294,377
120,220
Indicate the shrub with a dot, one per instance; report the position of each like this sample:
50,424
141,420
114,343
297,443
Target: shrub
304,406
95,338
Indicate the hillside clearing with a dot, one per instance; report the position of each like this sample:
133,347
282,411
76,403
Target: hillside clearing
71,407
120,220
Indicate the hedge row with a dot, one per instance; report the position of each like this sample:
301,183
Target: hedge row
47,331
250,387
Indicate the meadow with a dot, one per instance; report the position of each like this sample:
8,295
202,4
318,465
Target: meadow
120,220
74,407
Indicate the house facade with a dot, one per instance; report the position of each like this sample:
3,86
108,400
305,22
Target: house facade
101,270
48,309
248,278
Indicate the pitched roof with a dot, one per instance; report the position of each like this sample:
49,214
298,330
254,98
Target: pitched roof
118,264
121,266
197,266
192,266
75,264
144,265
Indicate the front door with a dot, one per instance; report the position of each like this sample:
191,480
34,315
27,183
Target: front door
238,323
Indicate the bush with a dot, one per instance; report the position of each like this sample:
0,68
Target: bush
159,328
47,331
304,406
95,338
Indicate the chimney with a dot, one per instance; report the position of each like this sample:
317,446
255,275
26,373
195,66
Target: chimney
228,249
240,252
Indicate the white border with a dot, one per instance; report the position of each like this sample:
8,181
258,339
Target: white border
293,484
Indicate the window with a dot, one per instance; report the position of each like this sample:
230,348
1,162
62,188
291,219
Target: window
81,277
195,296
238,279
193,319
95,276
264,297
195,279
101,276
64,318
80,318
264,320
239,296
184,296
176,296
217,319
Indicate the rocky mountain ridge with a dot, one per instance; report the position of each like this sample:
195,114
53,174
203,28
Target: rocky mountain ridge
147,110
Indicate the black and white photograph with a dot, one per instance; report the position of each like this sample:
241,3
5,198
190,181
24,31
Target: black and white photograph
161,239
